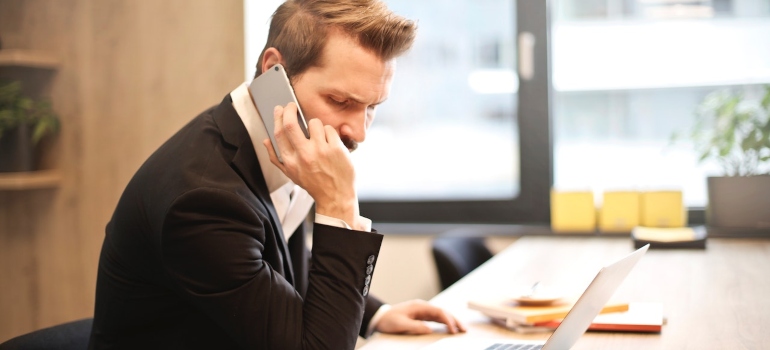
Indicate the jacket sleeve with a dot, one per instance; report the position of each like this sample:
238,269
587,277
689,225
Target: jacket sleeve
301,260
213,250
372,305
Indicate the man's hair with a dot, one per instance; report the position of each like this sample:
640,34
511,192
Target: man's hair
299,29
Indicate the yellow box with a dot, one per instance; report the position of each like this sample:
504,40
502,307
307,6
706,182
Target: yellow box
573,211
619,212
663,209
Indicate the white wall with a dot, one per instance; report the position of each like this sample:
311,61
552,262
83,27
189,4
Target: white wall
405,268
256,20
639,54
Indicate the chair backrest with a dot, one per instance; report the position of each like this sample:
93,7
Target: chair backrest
67,336
456,256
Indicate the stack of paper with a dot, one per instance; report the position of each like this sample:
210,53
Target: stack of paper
615,316
511,310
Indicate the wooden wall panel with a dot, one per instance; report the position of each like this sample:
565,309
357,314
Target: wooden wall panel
39,236
18,291
132,73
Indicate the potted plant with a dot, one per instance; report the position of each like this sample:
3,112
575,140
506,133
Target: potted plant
732,129
23,123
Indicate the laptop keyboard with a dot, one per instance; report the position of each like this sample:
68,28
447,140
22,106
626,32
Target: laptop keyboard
515,347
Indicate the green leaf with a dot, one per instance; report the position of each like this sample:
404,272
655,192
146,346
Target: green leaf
9,92
749,142
24,104
704,156
16,109
675,137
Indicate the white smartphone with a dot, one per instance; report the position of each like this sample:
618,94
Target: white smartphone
272,88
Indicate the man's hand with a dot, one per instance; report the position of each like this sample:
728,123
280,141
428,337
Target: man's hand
321,165
408,317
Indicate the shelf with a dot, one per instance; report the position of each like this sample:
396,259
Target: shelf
32,180
27,58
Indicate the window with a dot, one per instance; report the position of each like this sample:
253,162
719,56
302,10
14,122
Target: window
447,145
628,74
448,130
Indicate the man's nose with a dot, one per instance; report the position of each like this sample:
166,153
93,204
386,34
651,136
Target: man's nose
355,128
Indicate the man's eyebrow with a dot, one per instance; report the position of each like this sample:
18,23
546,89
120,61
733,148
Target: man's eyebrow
352,97
380,102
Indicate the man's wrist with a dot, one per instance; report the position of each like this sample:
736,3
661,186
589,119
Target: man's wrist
364,224
376,318
347,212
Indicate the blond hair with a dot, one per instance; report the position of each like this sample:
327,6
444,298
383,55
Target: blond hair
299,28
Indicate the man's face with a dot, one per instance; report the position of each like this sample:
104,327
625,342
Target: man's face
344,90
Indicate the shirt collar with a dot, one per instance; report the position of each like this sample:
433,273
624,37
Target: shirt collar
244,106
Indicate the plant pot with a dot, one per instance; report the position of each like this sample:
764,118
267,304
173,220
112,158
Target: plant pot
739,202
16,150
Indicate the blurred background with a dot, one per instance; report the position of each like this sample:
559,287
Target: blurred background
496,98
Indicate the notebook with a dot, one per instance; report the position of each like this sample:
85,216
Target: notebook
574,324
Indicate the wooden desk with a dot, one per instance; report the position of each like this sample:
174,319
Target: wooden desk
713,299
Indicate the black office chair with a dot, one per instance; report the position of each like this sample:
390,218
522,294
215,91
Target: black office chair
67,336
456,256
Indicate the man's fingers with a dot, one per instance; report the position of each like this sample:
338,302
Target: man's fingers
450,322
452,326
273,156
416,327
435,314
291,125
316,130
284,145
332,137
460,326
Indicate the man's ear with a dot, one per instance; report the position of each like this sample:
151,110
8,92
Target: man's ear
271,57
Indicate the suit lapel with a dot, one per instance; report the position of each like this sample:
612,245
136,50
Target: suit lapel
245,162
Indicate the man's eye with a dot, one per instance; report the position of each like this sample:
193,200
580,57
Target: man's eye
338,103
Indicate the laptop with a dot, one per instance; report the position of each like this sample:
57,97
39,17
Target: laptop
574,324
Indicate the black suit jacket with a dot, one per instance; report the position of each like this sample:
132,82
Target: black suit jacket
194,256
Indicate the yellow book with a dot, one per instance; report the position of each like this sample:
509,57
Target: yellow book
513,312
663,209
619,212
573,211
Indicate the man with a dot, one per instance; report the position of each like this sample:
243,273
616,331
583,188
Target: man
205,250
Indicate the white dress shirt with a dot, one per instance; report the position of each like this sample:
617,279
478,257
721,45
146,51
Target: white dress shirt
292,203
